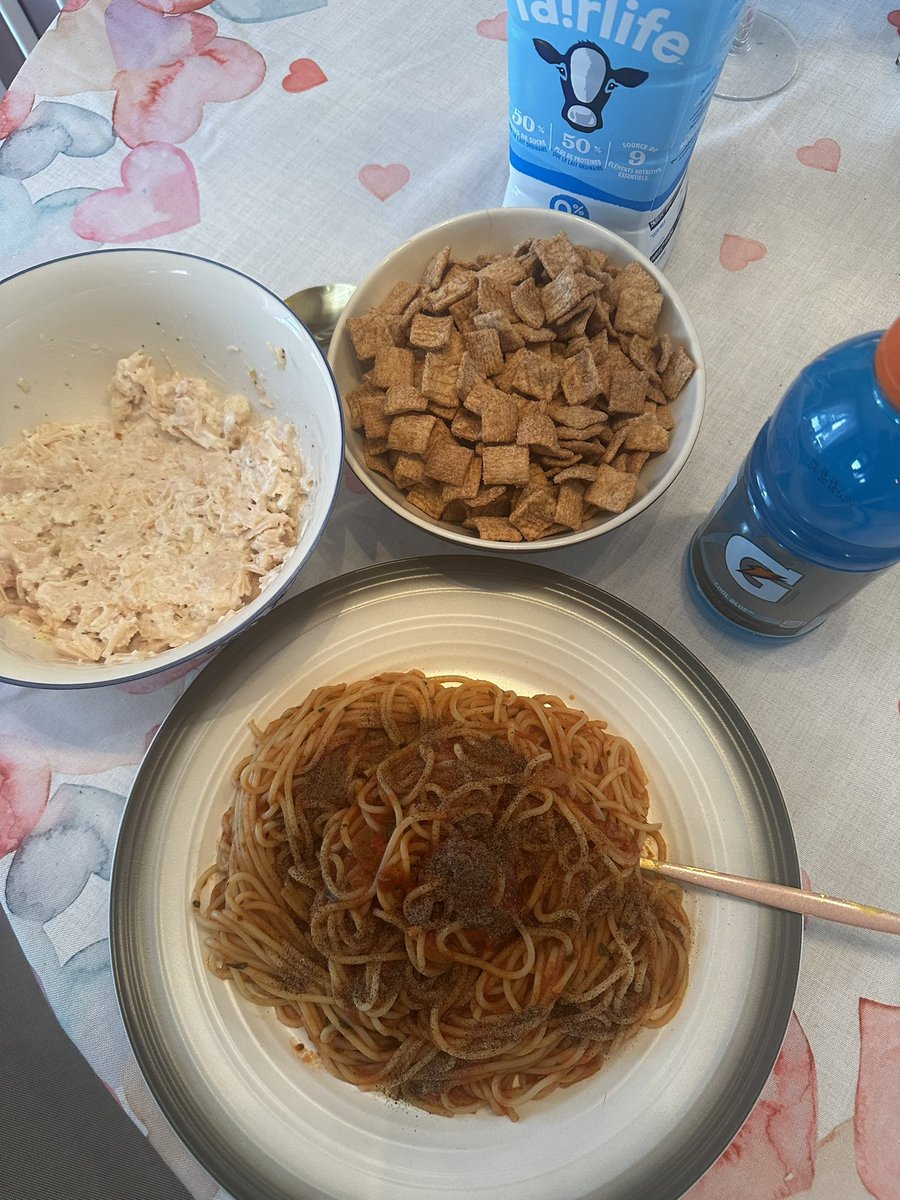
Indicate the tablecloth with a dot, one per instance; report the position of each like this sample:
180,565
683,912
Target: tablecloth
300,141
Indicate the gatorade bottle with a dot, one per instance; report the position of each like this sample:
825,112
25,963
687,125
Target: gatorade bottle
814,512
606,99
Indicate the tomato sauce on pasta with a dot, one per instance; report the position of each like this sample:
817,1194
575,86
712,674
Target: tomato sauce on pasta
437,881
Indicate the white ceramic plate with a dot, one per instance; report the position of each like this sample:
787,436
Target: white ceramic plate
272,1128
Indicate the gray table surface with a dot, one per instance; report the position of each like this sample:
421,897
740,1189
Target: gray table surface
61,1132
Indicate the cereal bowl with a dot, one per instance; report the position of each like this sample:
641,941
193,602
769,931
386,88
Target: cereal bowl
64,327
372,450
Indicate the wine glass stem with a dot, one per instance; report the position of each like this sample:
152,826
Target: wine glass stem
741,43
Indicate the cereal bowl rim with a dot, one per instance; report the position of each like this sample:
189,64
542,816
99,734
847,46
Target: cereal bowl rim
362,299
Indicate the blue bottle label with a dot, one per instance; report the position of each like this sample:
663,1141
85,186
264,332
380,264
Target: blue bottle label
607,96
757,583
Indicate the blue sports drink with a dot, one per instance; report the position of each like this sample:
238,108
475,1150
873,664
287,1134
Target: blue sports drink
606,99
814,512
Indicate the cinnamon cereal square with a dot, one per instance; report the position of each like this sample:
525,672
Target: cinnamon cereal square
430,333
612,490
505,465
411,433
393,364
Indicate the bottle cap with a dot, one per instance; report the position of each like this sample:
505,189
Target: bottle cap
887,363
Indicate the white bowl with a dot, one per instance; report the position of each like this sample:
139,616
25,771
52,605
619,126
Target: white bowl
490,231
63,327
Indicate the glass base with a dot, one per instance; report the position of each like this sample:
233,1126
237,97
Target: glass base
768,64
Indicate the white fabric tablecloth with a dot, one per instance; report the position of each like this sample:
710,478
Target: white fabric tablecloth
322,136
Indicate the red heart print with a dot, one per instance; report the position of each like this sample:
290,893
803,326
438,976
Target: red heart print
493,27
877,1097
24,791
303,74
736,252
158,196
824,153
382,182
894,19
777,1142
14,108
165,104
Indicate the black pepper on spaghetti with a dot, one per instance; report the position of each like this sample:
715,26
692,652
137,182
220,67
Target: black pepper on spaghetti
437,881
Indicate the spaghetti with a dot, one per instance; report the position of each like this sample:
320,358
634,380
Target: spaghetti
438,881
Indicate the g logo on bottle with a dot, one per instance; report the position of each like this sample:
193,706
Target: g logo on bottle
757,572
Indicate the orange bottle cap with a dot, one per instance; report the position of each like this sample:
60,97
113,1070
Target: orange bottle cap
887,363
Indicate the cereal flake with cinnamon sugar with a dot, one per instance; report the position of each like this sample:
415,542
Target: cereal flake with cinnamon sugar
521,394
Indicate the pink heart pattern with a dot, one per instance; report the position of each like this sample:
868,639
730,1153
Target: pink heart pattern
383,182
141,38
772,1155
493,27
736,252
303,74
894,18
165,61
162,679
172,7
14,108
824,153
165,103
878,1098
158,196
24,791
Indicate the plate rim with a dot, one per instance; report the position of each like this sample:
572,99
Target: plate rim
213,1150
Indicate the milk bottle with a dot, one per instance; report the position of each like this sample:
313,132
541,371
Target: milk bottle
606,99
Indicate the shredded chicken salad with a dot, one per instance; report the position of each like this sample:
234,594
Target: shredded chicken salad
126,537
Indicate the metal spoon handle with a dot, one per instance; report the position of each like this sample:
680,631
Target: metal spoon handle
320,307
779,895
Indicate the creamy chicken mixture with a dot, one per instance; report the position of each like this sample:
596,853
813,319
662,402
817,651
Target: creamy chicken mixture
126,537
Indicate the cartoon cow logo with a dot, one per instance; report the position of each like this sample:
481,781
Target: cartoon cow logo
588,81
